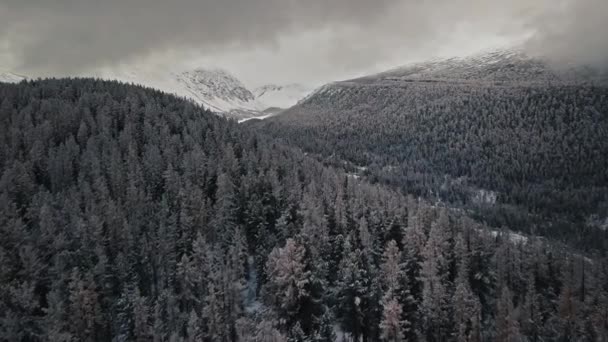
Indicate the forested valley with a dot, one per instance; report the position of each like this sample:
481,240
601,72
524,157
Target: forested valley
127,214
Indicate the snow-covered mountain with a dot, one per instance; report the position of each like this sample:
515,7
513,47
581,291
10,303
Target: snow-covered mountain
216,89
281,96
219,91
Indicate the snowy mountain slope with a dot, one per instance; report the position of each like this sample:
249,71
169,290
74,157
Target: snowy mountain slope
219,91
281,96
505,65
215,89
494,68
9,77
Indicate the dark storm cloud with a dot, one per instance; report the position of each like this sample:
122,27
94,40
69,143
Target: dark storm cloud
71,34
67,36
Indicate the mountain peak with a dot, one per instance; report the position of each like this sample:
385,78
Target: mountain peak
216,83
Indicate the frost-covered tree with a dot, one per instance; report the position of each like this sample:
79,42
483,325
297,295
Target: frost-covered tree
288,281
466,305
507,327
391,326
435,281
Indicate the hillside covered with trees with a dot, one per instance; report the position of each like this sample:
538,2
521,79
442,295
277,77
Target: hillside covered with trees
127,214
504,135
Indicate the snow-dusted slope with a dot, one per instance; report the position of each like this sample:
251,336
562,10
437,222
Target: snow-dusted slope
495,68
507,65
9,77
215,89
219,91
281,96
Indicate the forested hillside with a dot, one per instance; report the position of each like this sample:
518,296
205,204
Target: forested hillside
522,145
127,214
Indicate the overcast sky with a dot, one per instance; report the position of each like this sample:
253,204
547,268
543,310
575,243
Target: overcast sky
278,41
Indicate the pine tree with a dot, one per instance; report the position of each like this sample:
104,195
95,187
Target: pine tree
568,307
325,331
288,280
55,319
391,326
214,313
84,308
414,240
351,289
193,330
142,330
392,270
466,306
507,328
266,331
234,281
296,334
433,275
224,221
531,318
396,294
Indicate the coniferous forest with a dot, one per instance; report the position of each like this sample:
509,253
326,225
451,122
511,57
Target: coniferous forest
529,154
127,214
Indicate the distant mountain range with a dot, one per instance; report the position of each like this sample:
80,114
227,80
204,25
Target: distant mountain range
215,89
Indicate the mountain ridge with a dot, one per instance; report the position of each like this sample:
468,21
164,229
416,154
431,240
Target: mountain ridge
502,65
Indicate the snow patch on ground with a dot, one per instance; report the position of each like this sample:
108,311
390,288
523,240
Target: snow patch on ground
512,236
341,336
281,96
262,117
598,222
483,196
250,299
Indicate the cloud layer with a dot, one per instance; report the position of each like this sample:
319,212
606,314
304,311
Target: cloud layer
71,36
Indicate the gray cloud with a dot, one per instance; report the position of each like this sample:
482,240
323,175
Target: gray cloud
573,31
317,36
75,34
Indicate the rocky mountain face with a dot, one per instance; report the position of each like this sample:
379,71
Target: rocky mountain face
219,91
